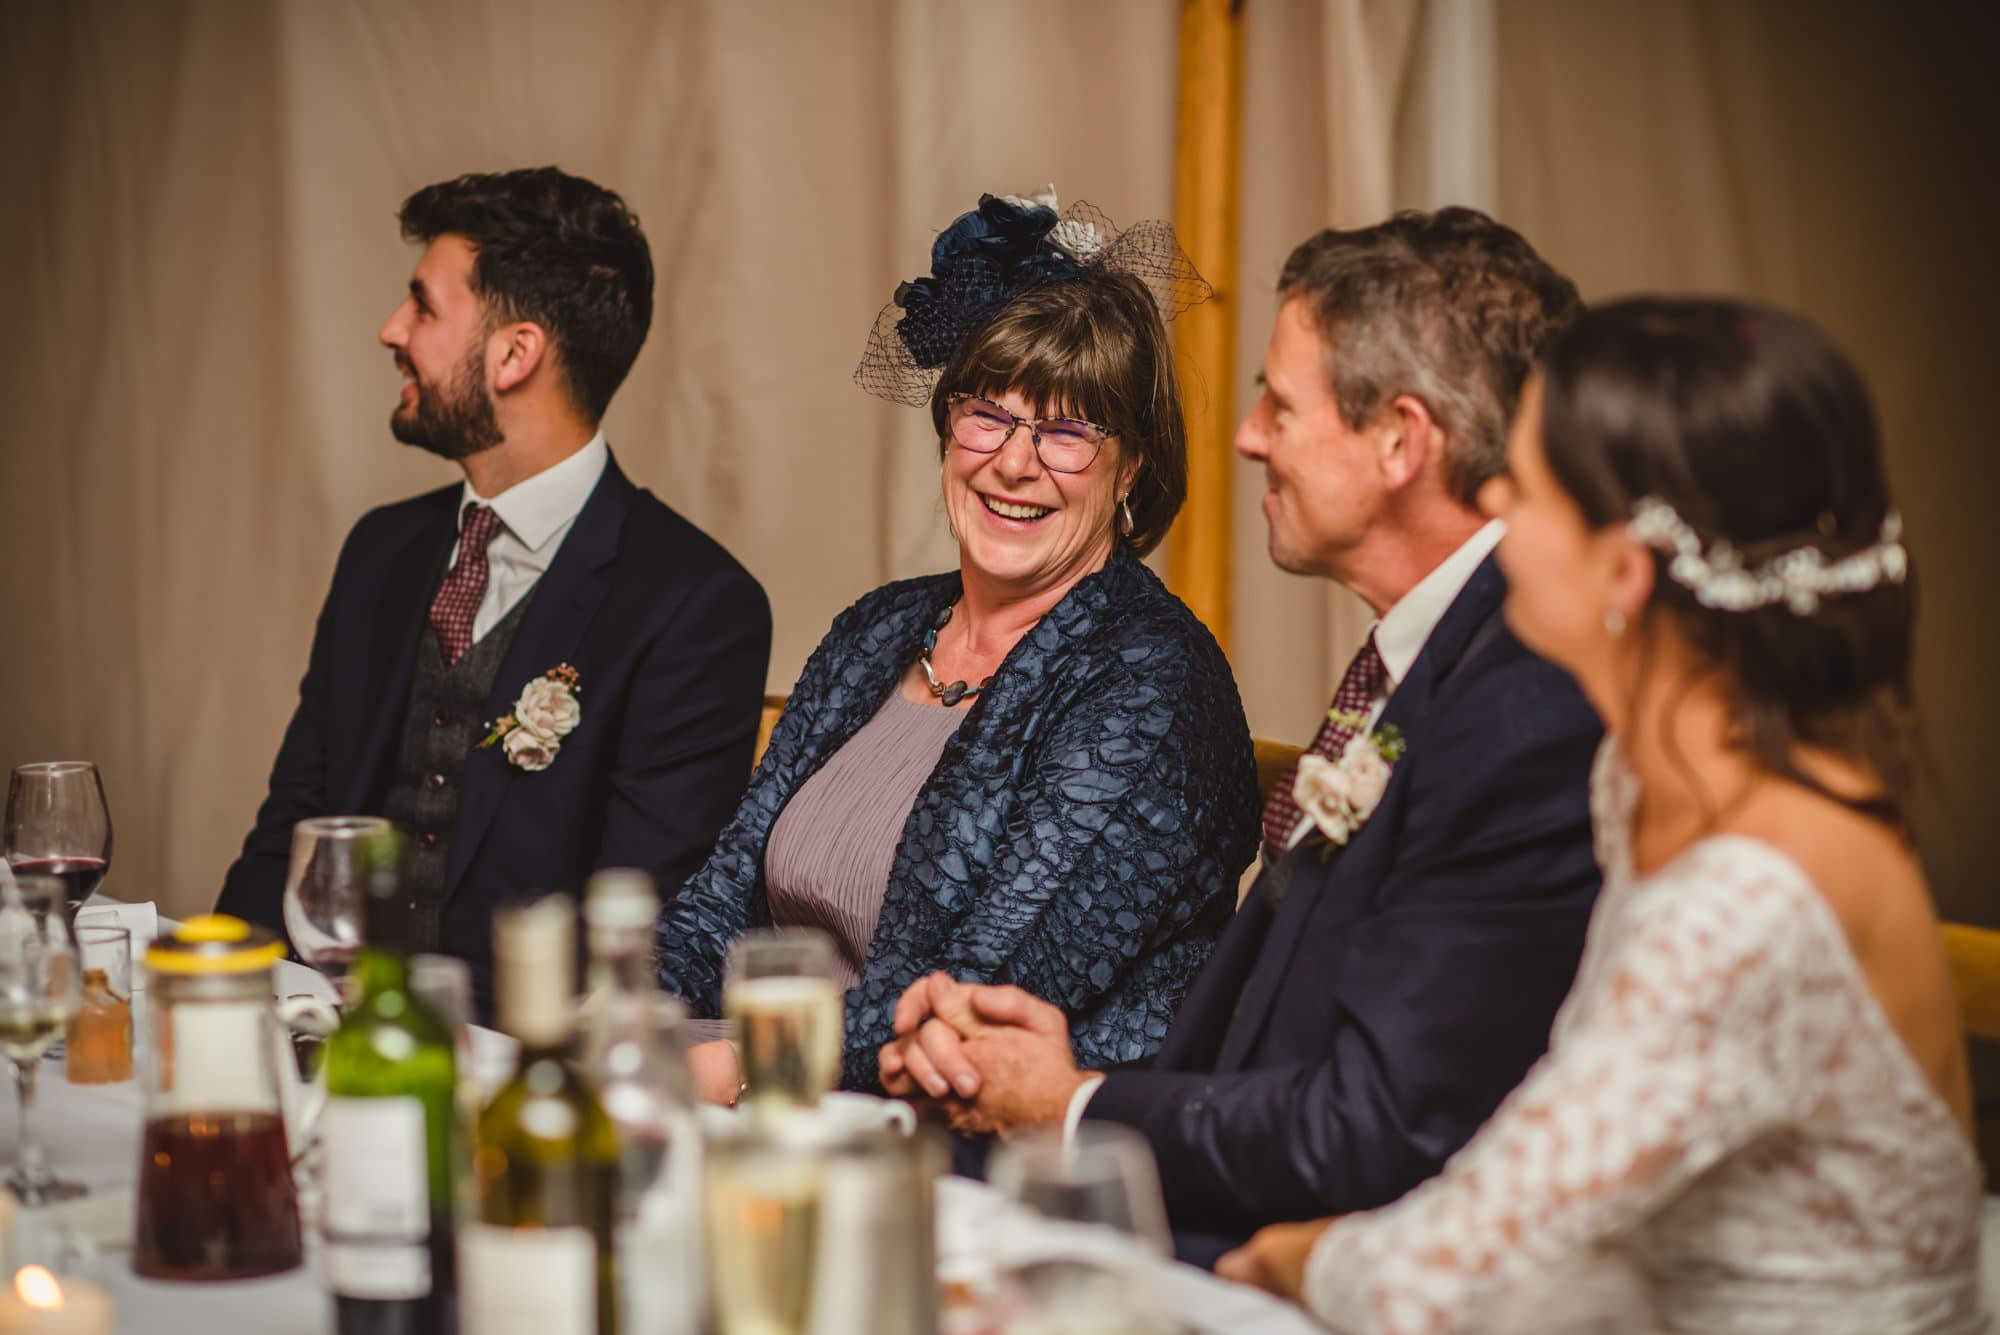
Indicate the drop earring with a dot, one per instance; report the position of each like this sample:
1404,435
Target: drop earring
1614,622
1125,524
943,464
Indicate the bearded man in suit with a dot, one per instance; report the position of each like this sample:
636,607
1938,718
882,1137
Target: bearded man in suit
626,648
1420,911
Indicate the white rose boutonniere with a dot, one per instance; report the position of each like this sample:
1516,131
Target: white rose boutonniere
547,711
548,706
528,750
1340,795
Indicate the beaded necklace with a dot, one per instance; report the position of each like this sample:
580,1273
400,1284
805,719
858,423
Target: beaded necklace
949,692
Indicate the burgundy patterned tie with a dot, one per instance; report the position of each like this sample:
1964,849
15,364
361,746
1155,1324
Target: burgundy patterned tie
1366,676
457,600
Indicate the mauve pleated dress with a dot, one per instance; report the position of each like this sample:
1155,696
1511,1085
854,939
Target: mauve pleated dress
826,864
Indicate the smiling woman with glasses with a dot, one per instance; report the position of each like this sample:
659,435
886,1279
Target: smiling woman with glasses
1033,769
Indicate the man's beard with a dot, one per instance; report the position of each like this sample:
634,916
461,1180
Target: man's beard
453,420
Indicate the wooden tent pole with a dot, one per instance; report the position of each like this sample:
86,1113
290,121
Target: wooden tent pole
1207,161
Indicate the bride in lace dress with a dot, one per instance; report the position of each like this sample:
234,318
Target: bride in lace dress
1754,1111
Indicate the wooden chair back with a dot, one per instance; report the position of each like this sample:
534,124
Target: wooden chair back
1975,973
1273,760
774,705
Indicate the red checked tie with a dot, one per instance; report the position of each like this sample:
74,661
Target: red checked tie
457,600
1366,676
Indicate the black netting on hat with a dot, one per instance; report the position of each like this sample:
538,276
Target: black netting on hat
991,255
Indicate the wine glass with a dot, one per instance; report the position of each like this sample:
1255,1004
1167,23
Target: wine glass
40,988
1105,1175
782,992
444,983
327,884
59,825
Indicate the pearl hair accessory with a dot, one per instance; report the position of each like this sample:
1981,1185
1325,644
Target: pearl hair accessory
1798,578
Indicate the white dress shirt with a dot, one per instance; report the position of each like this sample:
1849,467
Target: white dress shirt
1399,637
1401,633
535,516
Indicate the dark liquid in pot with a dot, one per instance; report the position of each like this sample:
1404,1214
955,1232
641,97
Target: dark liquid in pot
216,1199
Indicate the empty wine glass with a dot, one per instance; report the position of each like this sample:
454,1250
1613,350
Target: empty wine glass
1103,1175
40,988
59,825
326,885
444,983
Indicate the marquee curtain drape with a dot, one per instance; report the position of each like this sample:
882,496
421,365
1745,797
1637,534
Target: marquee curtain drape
201,245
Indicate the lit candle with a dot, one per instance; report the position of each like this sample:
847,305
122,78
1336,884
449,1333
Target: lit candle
38,1305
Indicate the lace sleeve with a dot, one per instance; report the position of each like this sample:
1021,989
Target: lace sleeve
1693,1034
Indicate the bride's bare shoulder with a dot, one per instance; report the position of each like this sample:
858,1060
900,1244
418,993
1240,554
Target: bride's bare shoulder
1870,877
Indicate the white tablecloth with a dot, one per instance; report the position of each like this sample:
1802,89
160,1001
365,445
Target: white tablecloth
91,1133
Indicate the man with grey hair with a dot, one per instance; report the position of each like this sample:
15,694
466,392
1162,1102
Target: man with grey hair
1428,871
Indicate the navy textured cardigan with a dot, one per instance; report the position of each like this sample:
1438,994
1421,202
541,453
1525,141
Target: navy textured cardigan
1081,836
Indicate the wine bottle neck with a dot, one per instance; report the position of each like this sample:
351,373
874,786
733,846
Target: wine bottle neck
534,948
622,963
380,970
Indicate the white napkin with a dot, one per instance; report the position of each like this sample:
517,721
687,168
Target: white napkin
141,920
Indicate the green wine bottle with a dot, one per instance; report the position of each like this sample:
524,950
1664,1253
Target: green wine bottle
387,1133
539,1257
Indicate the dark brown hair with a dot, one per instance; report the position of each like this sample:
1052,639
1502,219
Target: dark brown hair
1093,347
1450,307
557,251
1760,434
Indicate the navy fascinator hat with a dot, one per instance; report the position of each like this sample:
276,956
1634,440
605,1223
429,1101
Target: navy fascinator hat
991,255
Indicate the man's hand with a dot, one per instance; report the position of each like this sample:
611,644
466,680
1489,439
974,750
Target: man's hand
717,1071
1275,1259
995,1058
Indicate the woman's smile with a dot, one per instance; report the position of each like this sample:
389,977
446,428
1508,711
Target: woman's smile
1017,512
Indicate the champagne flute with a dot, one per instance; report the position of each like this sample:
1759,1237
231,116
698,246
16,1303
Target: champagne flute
326,885
1103,1175
783,995
761,1198
40,988
59,825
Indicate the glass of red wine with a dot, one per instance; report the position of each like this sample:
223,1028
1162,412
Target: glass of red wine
59,825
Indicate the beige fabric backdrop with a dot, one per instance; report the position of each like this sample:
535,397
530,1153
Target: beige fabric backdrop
1835,158
201,244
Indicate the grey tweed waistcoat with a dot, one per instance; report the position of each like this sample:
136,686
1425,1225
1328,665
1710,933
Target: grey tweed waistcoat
440,728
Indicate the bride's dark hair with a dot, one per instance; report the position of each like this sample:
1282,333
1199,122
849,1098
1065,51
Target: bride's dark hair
1760,435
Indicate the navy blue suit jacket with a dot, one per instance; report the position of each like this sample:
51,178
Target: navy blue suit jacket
1370,1006
672,641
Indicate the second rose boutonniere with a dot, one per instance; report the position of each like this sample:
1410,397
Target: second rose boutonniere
1340,795
546,712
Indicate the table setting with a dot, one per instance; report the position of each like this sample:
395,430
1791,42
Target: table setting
144,1198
